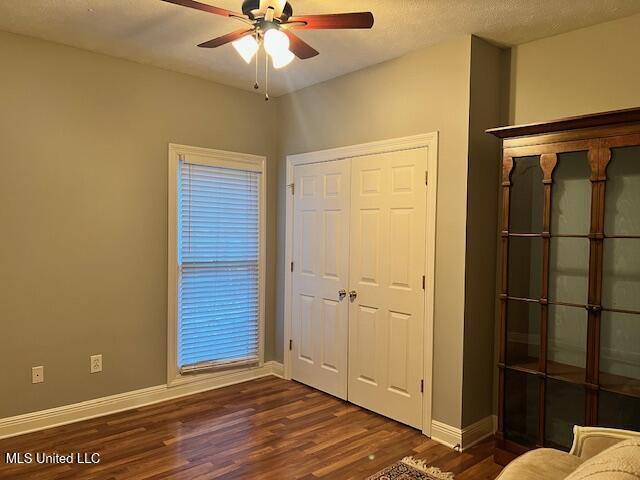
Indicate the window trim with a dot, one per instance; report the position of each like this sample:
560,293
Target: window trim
214,158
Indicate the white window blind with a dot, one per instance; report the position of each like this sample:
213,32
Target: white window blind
218,266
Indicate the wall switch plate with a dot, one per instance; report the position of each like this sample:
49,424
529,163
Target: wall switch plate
96,363
37,374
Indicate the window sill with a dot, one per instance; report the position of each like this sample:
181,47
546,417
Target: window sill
221,375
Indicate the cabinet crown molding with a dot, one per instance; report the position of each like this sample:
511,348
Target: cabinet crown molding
615,117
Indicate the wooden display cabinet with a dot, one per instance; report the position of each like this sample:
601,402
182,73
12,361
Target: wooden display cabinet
569,350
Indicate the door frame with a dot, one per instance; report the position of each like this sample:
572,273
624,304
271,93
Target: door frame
429,141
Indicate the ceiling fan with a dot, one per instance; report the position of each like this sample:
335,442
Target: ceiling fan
270,23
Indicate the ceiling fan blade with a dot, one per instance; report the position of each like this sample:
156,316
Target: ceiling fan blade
228,38
331,21
205,8
299,47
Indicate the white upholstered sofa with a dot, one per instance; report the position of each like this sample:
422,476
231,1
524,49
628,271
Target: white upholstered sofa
597,454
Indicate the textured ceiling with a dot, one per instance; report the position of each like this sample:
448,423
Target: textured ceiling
157,33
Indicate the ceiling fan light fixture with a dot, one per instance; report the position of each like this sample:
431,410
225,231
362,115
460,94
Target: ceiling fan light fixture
271,23
275,42
247,47
282,58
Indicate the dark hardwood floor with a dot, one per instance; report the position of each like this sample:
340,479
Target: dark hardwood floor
263,429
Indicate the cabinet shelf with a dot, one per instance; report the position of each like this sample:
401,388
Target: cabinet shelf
550,235
555,370
566,373
619,384
620,310
529,366
623,237
570,235
577,375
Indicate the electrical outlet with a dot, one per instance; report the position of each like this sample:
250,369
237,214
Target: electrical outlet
96,363
37,374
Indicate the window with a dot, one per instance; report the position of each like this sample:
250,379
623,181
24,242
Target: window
216,260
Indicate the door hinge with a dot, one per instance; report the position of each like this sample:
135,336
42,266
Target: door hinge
293,188
290,344
426,177
424,282
421,386
291,267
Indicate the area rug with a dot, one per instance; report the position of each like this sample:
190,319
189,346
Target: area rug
411,469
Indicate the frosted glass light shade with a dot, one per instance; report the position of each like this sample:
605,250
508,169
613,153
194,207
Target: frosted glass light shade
246,47
275,42
282,59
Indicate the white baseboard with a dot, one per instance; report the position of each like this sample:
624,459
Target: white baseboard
478,431
446,434
463,438
277,369
53,417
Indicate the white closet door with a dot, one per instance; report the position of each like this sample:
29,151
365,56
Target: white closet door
321,271
387,264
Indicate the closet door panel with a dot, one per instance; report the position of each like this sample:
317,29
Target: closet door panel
320,319
387,264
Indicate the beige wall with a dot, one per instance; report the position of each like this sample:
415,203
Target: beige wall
422,92
589,70
488,108
83,213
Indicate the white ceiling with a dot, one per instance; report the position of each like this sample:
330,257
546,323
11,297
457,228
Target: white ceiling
165,35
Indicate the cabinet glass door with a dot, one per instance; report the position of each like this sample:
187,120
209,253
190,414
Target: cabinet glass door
526,203
523,334
525,264
618,411
565,407
521,410
570,224
619,399
525,228
567,343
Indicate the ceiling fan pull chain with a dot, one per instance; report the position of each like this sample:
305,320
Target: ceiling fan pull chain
256,85
266,78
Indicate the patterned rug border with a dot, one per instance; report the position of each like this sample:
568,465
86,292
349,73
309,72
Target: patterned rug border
418,466
423,467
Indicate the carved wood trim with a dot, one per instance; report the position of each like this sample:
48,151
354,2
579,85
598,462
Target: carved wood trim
559,147
621,141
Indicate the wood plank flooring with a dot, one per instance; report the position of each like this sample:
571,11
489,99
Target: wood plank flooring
260,430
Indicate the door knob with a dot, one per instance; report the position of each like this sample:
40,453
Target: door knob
342,293
353,295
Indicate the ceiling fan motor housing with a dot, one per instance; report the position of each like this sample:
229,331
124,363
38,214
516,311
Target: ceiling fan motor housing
251,8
